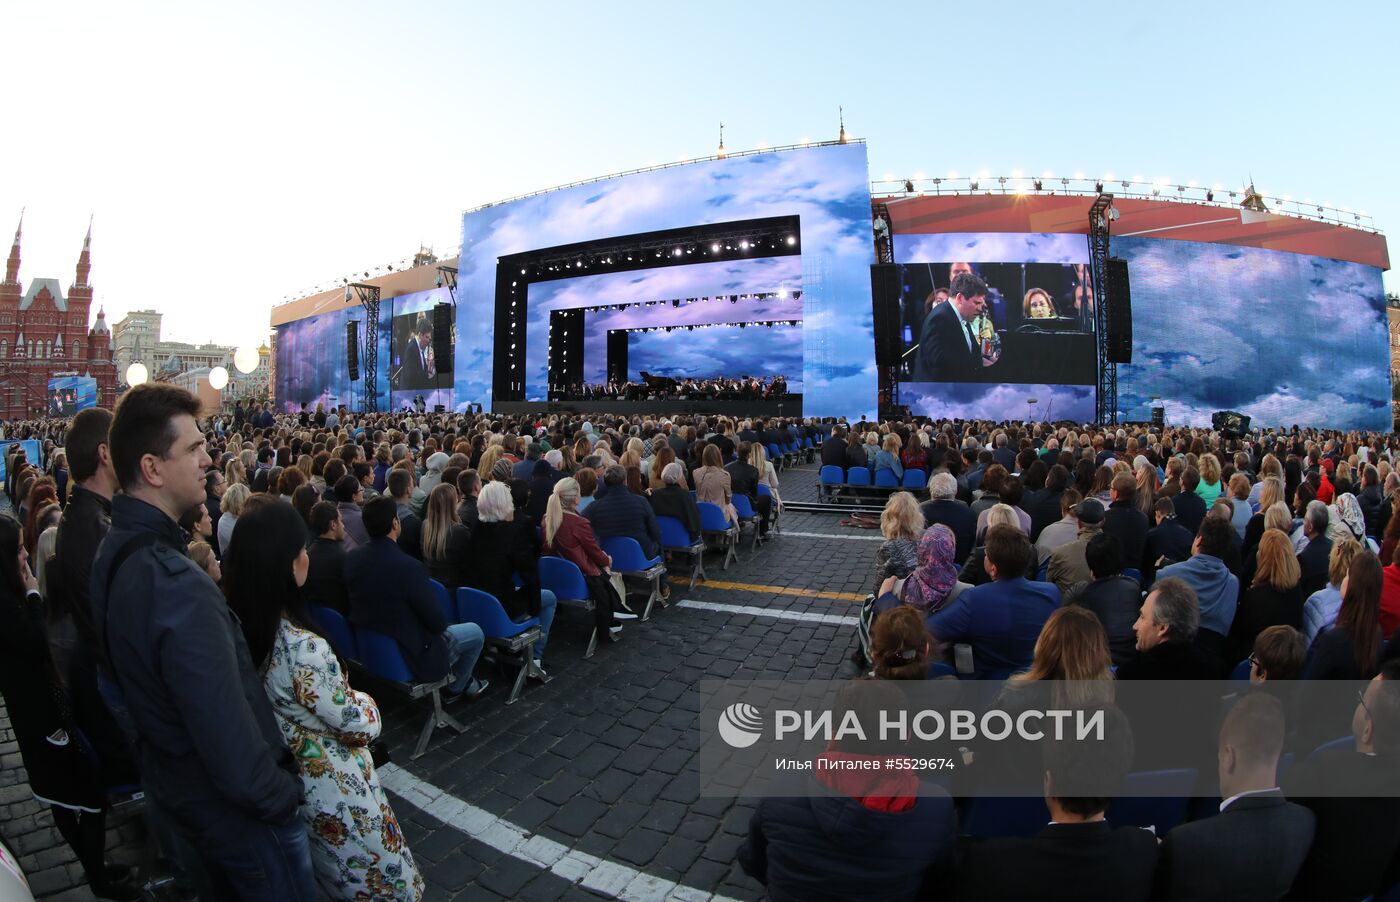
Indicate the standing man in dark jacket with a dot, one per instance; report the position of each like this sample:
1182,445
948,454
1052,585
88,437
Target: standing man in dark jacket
1123,519
211,753
620,513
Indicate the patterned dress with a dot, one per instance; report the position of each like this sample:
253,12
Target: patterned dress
357,847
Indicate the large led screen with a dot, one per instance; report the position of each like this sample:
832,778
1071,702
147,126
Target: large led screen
70,394
312,367
762,351
1285,338
414,369
825,190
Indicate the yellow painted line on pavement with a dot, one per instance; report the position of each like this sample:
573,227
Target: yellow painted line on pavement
771,590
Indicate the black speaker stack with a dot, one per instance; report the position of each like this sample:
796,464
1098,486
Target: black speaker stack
1120,311
442,334
352,349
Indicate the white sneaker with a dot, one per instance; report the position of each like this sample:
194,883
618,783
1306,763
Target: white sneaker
615,630
624,615
538,673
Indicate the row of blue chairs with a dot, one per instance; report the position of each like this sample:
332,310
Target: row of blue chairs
832,479
792,451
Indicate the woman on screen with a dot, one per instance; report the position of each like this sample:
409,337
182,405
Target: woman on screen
1038,305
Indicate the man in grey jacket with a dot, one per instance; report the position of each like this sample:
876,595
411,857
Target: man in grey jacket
211,755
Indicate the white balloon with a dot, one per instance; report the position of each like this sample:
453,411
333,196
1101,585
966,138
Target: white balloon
136,374
218,378
246,359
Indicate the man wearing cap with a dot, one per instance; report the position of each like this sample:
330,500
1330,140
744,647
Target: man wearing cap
1069,567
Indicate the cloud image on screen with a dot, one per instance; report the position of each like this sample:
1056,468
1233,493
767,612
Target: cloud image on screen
993,247
729,350
999,402
1282,337
826,188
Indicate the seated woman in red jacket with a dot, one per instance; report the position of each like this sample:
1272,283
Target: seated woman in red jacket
569,535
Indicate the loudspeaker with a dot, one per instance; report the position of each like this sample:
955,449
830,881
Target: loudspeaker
352,349
885,295
442,334
1159,417
1118,303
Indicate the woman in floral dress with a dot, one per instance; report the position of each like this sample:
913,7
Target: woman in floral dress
357,848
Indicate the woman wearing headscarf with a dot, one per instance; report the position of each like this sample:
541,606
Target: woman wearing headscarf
1348,522
437,462
934,583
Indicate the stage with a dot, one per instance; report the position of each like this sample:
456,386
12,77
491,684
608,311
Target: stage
789,406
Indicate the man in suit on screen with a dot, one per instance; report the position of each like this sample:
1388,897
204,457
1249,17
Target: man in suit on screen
413,362
949,350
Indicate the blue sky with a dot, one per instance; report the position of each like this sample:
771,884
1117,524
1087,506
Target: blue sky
236,154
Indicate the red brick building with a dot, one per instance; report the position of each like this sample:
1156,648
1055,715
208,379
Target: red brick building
44,334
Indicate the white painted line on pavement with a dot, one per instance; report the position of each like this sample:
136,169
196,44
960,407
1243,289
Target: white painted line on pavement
804,616
589,871
831,535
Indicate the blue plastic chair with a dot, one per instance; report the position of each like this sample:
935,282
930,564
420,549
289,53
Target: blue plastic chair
829,477
504,636
765,492
1345,742
858,476
885,478
1134,574
330,623
915,480
747,517
381,656
993,816
630,561
1164,809
676,539
1241,671
445,602
714,524
775,455
565,580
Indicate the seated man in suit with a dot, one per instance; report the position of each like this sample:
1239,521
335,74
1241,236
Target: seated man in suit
1255,846
399,484
414,368
1124,520
1355,796
943,507
325,577
1190,507
1312,561
948,349
1167,543
1001,619
743,480
389,593
617,512
1079,856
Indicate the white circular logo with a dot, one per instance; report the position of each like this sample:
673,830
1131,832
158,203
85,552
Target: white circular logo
740,725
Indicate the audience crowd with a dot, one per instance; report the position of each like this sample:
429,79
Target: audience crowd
164,578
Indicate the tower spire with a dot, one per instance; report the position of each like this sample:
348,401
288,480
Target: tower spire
841,116
85,259
12,266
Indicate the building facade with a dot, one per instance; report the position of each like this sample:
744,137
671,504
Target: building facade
44,333
136,339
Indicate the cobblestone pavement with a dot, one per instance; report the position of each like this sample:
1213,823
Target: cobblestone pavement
584,788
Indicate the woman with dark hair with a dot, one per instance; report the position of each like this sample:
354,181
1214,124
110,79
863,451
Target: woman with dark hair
357,847
901,645
61,773
304,499
634,481
1084,476
1350,648
42,491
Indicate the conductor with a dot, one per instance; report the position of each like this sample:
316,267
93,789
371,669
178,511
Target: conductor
949,351
415,371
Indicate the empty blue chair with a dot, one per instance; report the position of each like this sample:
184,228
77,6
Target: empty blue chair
445,602
747,517
1165,807
713,524
775,455
765,492
504,636
381,656
1241,671
330,623
829,477
915,480
992,816
858,476
677,540
885,478
565,580
630,561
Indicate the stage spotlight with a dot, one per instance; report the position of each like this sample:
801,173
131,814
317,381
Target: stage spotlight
791,240
714,248
1210,195
676,302
908,187
743,325
974,184
1037,184
743,245
1098,187
676,252
733,299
